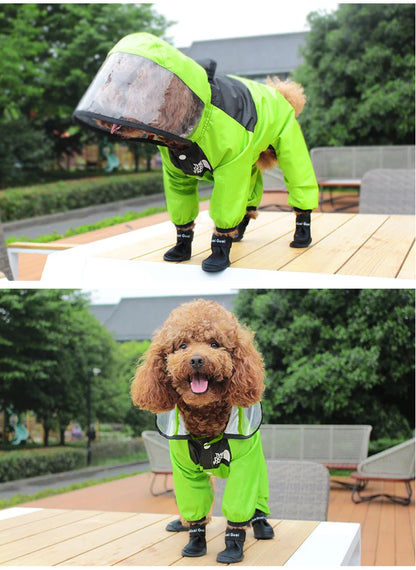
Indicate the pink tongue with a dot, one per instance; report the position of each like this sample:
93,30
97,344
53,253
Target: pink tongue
114,128
199,384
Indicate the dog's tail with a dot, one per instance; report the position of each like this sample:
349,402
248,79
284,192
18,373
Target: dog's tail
290,90
293,92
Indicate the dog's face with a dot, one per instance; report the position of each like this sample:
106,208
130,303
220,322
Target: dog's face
202,355
200,368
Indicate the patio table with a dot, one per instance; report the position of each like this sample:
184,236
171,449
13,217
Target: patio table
351,246
48,537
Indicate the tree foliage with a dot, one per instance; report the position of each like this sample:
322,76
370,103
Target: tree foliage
358,74
49,345
131,352
50,54
336,356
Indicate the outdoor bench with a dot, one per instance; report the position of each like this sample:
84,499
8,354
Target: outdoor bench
335,446
345,166
396,464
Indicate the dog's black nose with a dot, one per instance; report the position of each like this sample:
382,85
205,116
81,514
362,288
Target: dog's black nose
196,362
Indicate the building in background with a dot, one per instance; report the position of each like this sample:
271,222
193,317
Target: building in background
253,57
137,318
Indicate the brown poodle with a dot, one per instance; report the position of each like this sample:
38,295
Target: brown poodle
203,376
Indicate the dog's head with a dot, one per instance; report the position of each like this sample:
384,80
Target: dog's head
200,356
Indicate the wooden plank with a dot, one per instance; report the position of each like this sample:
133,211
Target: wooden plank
370,531
138,533
146,248
276,254
201,243
40,524
37,540
99,530
384,252
332,252
167,552
201,246
385,547
289,537
404,538
407,270
53,246
216,544
28,518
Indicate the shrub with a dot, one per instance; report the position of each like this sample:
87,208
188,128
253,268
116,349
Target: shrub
40,200
112,449
31,463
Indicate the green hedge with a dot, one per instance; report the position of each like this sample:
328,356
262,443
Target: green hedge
31,463
43,199
113,449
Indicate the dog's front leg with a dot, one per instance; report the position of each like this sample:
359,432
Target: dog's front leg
197,545
235,536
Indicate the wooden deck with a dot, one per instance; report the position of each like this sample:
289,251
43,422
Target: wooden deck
350,247
58,537
387,529
30,266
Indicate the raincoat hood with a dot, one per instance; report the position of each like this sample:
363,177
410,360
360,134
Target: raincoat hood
146,90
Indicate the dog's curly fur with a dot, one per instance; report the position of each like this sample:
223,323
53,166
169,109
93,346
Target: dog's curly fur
206,331
294,93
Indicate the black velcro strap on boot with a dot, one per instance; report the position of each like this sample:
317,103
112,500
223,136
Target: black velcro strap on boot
234,545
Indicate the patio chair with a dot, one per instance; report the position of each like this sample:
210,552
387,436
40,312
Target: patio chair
157,449
388,191
394,464
299,490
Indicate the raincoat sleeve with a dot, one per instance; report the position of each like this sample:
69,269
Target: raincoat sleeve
181,192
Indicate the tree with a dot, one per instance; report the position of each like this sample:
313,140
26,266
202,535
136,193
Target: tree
130,353
336,356
4,257
49,345
51,52
358,74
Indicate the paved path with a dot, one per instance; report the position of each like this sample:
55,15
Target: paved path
61,222
34,484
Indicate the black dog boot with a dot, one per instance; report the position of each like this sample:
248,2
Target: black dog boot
234,544
197,545
220,256
251,214
183,248
302,237
261,528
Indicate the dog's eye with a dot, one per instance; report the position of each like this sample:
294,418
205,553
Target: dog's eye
183,346
215,345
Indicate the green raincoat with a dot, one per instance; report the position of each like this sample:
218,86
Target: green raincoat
236,455
237,119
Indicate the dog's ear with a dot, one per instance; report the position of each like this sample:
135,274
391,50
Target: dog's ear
151,388
246,385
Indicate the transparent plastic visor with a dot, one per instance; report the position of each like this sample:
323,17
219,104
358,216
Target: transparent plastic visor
133,97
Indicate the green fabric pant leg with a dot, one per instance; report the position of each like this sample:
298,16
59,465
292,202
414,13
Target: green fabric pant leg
256,187
193,488
247,487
